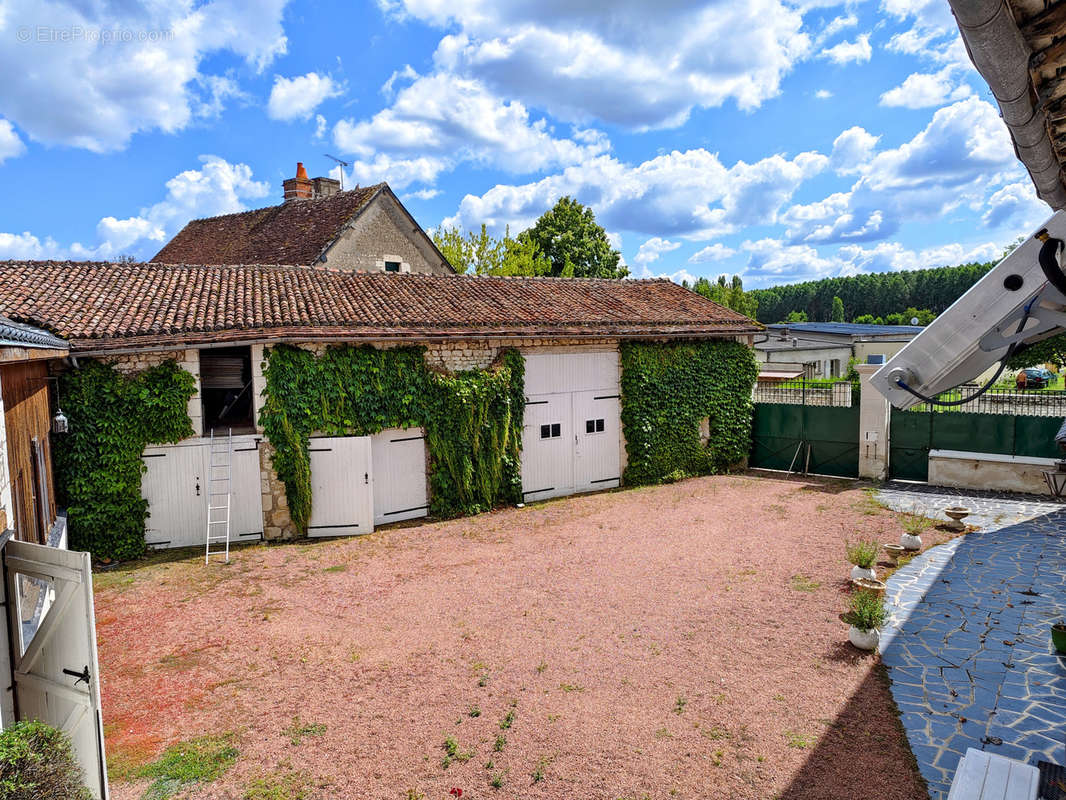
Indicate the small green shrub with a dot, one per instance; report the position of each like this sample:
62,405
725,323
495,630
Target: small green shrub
862,553
37,763
867,611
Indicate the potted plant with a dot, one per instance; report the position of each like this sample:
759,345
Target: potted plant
1058,636
866,616
861,555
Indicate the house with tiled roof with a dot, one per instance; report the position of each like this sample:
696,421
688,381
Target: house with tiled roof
365,229
361,383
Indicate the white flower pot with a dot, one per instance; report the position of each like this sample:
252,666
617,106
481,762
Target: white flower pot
864,640
910,542
858,573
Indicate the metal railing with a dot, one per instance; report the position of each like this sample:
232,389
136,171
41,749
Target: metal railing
1031,402
808,392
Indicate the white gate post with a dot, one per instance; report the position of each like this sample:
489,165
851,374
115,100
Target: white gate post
873,426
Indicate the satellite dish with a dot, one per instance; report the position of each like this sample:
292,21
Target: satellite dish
914,320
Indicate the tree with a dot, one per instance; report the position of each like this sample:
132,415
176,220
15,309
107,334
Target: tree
573,243
731,294
483,254
796,316
1049,351
837,314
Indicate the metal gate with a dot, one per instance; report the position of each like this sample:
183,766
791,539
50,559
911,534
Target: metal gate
912,434
823,440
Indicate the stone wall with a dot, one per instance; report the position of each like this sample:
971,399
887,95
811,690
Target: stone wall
277,524
383,233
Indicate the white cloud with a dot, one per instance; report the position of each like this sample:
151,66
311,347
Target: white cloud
677,277
633,63
921,90
857,52
218,187
23,246
441,120
852,150
96,93
320,127
956,159
823,94
837,24
652,249
689,194
11,145
422,194
297,98
712,252
1017,205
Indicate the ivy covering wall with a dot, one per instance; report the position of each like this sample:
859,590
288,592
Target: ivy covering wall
472,419
667,389
98,466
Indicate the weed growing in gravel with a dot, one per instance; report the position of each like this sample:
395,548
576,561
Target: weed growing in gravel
453,753
336,568
497,780
483,680
501,742
474,712
187,764
413,794
797,740
679,704
543,665
288,786
804,583
663,733
571,687
508,720
297,731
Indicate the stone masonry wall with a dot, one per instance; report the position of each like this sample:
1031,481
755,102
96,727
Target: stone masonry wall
382,232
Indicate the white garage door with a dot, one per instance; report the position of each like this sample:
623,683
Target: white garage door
342,497
176,490
399,475
571,440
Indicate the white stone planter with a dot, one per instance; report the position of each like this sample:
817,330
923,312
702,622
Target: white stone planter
858,573
864,640
910,542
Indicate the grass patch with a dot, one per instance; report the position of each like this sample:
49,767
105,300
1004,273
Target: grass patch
286,786
297,731
797,740
336,568
452,752
187,764
804,583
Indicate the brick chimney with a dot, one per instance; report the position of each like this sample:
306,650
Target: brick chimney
299,188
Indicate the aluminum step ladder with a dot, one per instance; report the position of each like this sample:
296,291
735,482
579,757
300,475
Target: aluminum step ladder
219,495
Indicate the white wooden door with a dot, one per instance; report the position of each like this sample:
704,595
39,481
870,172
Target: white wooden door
597,436
342,495
176,490
564,392
399,475
547,447
52,627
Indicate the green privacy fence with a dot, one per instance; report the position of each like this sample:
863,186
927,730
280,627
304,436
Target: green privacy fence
823,440
913,434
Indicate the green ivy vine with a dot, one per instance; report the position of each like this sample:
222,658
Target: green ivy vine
98,466
473,431
667,389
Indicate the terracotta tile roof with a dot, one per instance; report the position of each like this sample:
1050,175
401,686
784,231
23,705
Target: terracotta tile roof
107,306
291,233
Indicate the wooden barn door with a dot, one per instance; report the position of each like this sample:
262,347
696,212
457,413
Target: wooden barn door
28,418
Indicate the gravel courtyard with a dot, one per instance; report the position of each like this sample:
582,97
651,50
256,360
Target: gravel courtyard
679,641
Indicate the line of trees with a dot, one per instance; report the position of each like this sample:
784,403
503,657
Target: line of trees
867,297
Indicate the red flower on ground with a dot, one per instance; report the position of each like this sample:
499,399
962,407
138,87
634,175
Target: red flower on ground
456,792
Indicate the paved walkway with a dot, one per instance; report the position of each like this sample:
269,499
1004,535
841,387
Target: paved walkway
969,648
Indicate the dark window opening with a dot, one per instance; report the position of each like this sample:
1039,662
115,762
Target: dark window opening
392,266
226,388
594,426
552,431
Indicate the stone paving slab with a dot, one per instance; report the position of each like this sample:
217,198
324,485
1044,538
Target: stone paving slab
968,646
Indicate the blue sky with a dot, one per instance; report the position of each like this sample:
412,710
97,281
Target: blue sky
782,140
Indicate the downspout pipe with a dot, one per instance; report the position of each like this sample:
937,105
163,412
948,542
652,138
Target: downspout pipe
998,50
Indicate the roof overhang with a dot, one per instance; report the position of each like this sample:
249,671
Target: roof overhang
1019,49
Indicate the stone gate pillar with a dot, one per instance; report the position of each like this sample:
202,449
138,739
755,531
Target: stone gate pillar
874,412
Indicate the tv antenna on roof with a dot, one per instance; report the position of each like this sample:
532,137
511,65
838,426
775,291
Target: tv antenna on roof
342,165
